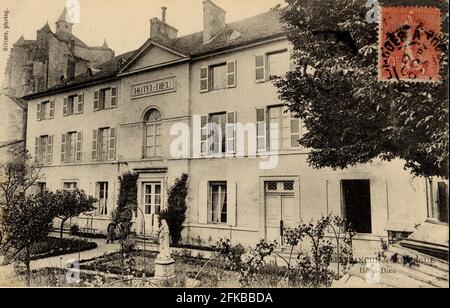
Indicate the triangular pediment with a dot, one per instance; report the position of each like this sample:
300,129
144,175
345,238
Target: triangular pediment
150,55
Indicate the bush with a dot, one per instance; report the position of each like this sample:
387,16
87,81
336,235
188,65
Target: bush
126,204
74,229
175,214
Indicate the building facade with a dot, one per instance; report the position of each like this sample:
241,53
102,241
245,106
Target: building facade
248,175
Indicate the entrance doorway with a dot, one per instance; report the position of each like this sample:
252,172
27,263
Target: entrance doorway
356,204
152,195
281,209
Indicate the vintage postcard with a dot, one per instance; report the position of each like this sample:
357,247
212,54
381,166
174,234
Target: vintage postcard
224,145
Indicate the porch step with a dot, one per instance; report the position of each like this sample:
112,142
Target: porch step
429,264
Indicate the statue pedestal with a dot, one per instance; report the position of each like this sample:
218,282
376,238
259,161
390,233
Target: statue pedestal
164,269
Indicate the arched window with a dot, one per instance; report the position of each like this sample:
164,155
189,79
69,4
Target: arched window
153,133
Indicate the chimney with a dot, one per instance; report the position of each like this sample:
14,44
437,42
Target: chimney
159,29
213,20
164,11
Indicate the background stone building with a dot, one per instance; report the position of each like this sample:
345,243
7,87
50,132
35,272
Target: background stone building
53,58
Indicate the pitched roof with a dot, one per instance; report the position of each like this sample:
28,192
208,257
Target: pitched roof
259,27
254,29
68,37
105,70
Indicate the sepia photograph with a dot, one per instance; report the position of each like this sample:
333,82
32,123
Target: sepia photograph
224,149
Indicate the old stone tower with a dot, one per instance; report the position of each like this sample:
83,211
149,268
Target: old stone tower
35,65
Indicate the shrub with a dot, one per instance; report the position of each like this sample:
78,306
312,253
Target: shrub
175,214
126,204
74,229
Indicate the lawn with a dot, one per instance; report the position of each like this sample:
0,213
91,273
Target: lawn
51,247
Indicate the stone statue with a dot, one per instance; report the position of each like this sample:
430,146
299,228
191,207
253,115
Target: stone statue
164,241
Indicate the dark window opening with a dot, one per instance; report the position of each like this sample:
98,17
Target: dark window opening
356,204
442,200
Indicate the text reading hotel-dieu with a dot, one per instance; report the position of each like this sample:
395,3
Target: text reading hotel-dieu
117,118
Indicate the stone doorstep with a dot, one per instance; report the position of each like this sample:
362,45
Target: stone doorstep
423,270
393,280
437,263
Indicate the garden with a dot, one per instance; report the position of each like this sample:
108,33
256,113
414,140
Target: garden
313,254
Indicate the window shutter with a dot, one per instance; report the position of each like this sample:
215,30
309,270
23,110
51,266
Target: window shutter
78,147
260,68
36,150
204,79
231,203
38,113
96,100
203,200
80,105
261,130
231,133
112,144
65,105
63,148
204,135
113,97
231,74
52,109
296,131
94,144
50,149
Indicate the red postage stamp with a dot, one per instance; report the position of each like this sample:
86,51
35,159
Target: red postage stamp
410,39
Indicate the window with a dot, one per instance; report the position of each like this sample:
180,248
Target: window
71,101
283,128
104,144
152,198
105,98
153,134
42,187
102,196
287,186
46,110
278,63
73,104
217,130
217,212
71,147
218,133
218,77
43,150
69,186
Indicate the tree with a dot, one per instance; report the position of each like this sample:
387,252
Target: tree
17,176
350,116
26,221
69,204
175,214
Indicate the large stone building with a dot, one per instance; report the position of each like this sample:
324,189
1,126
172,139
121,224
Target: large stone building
37,65
132,115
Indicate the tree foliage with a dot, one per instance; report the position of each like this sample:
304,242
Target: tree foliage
26,221
175,214
350,116
70,203
122,215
